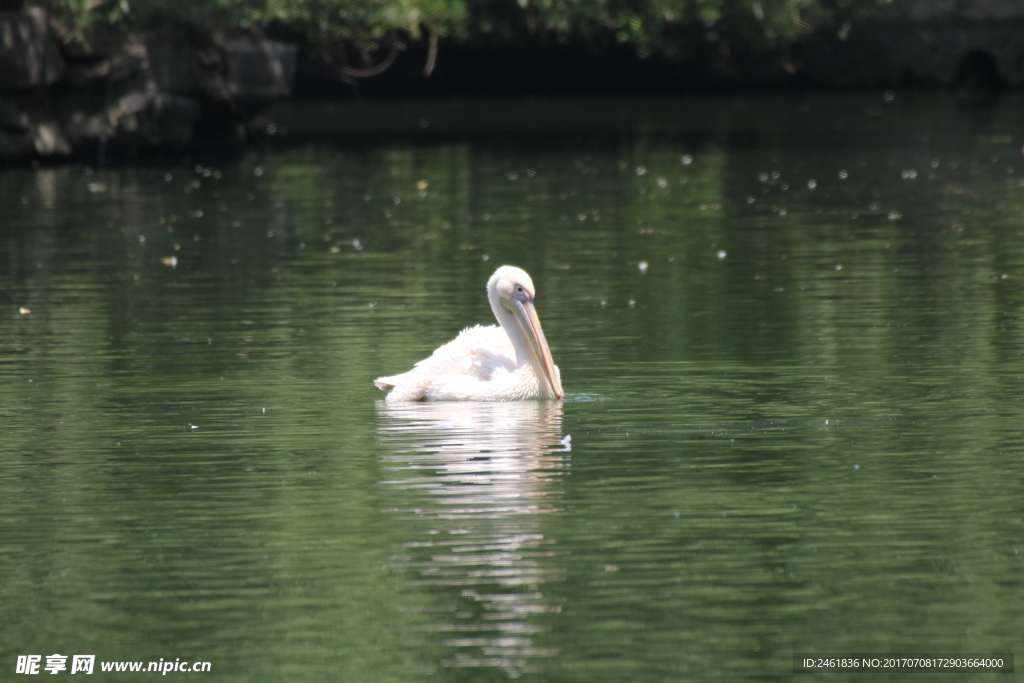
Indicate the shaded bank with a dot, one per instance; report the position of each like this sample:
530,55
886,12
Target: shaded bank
973,56
120,92
129,93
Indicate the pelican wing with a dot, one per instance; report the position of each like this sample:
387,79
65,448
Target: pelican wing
478,354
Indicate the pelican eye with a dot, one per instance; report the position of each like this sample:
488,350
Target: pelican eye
521,293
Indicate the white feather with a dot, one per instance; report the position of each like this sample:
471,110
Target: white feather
482,363
478,354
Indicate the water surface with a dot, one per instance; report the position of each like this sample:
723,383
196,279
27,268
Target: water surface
789,330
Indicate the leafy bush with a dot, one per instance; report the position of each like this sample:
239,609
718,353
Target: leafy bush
668,27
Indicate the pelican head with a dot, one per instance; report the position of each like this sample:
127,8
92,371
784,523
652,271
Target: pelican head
511,292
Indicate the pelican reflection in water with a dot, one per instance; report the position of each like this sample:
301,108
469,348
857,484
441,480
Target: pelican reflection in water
507,363
472,484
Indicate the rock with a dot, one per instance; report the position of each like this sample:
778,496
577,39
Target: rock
97,40
29,126
900,51
240,70
129,62
125,93
137,117
260,69
29,55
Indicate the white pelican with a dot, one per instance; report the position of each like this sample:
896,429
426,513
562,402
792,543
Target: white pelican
507,363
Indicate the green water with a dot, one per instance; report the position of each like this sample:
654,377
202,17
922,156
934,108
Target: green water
789,329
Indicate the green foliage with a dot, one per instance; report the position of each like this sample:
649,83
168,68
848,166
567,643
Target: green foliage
78,15
365,23
668,27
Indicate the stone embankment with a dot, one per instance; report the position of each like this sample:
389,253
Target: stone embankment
114,92
130,93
